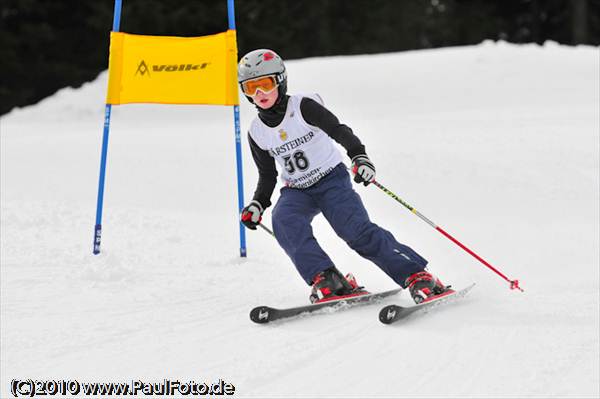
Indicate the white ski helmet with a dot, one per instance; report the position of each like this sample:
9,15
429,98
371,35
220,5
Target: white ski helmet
263,62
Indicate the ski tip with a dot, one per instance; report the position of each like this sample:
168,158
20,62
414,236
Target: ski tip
387,315
260,314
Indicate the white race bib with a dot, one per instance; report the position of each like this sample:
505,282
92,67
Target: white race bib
304,152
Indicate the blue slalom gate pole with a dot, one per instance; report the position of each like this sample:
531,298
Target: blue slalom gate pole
238,146
107,112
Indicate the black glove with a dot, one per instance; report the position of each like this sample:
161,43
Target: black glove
252,215
363,169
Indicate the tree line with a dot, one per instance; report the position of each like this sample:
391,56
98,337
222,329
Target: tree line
47,44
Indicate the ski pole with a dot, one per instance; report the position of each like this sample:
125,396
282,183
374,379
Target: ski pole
514,284
265,228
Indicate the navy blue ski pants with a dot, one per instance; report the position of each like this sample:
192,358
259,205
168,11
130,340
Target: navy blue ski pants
342,207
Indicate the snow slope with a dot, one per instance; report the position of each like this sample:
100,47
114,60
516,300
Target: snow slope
497,143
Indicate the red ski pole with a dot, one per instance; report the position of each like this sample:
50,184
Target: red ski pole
514,284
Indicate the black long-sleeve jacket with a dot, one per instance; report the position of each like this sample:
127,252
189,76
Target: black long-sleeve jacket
314,114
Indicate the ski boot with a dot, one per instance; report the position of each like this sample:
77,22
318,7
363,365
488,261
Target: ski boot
424,286
330,284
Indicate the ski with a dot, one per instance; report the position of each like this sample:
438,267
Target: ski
393,313
266,314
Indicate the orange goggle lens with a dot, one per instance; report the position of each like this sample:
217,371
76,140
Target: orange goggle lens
266,84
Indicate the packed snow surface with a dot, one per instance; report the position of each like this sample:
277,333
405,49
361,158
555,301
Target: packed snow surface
496,143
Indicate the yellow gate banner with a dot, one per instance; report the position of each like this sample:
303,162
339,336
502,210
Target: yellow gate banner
173,70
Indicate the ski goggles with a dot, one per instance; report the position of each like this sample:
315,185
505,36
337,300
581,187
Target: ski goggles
266,84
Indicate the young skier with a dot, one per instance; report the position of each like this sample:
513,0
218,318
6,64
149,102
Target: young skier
299,132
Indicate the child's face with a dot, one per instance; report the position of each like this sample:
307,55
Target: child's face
265,101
